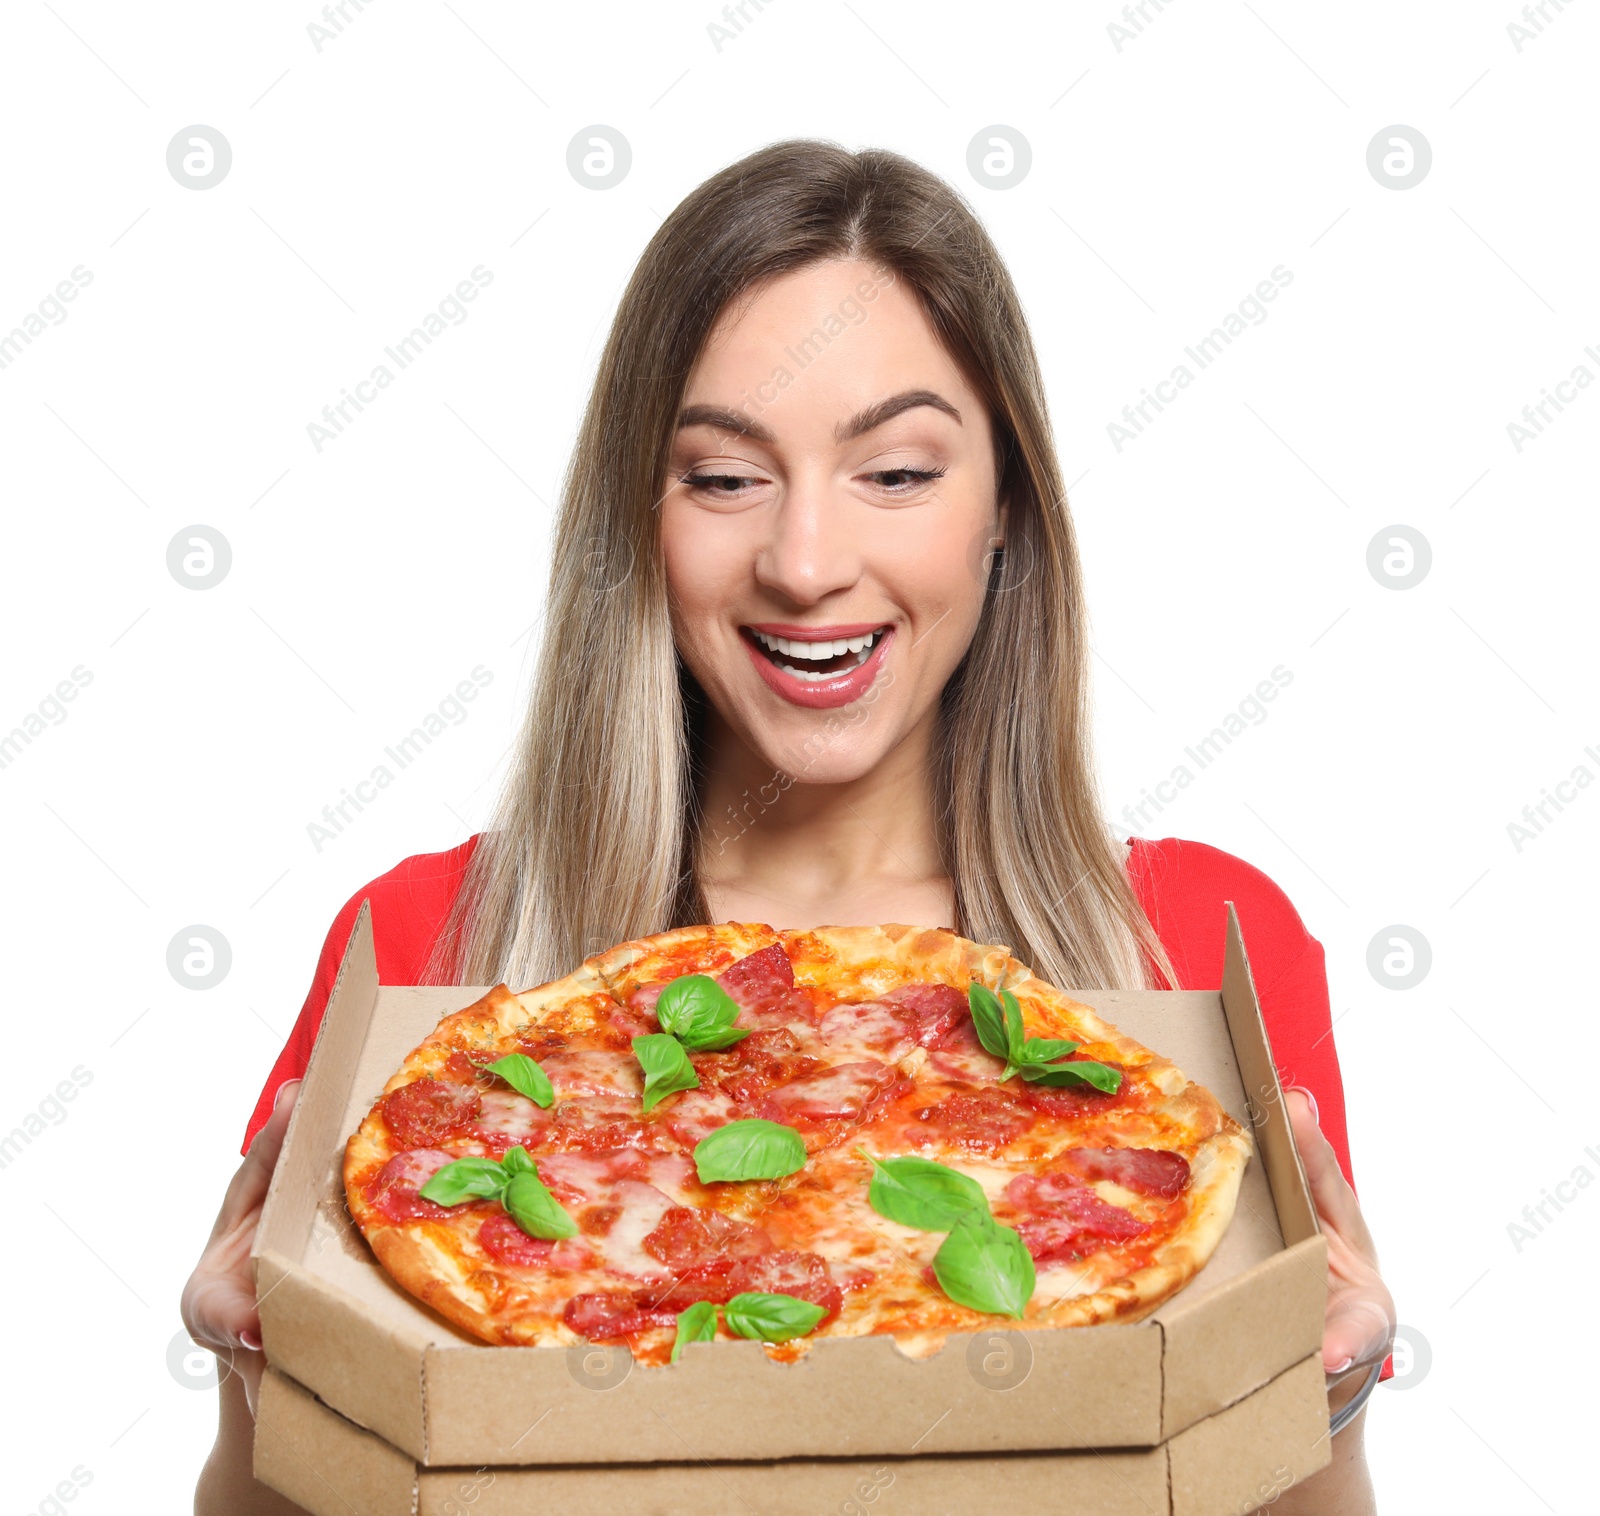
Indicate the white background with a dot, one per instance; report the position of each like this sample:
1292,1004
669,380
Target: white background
1167,179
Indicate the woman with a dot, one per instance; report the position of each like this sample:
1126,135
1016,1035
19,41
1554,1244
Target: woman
815,652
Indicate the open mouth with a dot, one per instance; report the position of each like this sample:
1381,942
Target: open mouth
814,662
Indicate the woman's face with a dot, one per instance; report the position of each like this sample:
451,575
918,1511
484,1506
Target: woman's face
832,482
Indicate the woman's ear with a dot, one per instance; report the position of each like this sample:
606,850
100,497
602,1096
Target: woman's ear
1001,520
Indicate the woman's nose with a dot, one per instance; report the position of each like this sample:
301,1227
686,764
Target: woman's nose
811,551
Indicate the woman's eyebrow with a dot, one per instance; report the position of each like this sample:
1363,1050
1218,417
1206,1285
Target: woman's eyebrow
858,425
724,421
886,410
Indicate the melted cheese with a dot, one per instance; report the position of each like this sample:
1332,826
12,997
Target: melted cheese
508,1114
970,1064
620,1248
593,1071
697,1113
871,1030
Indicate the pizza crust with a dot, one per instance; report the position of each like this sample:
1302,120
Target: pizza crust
1216,1172
643,961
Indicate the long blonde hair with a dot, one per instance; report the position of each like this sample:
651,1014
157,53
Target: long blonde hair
598,833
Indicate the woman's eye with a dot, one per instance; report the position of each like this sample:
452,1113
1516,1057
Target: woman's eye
901,481
893,481
718,484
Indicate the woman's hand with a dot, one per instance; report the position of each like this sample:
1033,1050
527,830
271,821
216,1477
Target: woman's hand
1358,1327
1360,1322
219,1301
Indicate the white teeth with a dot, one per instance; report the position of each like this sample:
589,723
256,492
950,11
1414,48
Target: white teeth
817,651
813,676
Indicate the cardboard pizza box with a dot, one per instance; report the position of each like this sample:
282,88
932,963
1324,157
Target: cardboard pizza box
359,1348
1238,1460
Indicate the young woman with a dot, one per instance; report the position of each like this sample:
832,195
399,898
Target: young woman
815,652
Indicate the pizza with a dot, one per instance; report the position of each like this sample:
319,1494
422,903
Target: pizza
730,1130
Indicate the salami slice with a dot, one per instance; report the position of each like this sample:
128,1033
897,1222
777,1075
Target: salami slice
393,1190
1146,1171
506,1243
751,1067
915,1015
763,986
934,1010
695,1114
843,1092
977,1119
686,1236
506,1120
958,1054
788,1272
612,1316
426,1110
593,1071
873,1025
1070,1100
701,1248
1063,1218
603,1123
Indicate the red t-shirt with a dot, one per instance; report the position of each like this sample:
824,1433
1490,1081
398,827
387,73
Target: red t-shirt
1182,886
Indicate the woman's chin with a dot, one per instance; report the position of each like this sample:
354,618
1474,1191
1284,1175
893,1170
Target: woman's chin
820,757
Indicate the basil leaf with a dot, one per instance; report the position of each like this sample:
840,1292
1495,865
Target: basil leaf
697,1324
771,1318
1015,1032
714,1011
714,1040
465,1179
535,1209
695,1002
524,1076
921,1193
666,1066
985,1266
988,1019
752,1149
1044,1049
1082,1072
517,1161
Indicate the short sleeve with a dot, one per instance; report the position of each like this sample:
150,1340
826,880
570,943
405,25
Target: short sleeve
1295,1008
296,1052
1185,888
409,906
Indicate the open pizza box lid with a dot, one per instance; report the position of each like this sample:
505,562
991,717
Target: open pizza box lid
336,1324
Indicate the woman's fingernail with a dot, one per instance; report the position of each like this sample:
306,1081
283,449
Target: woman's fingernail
1311,1100
1341,1366
251,1341
288,1087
